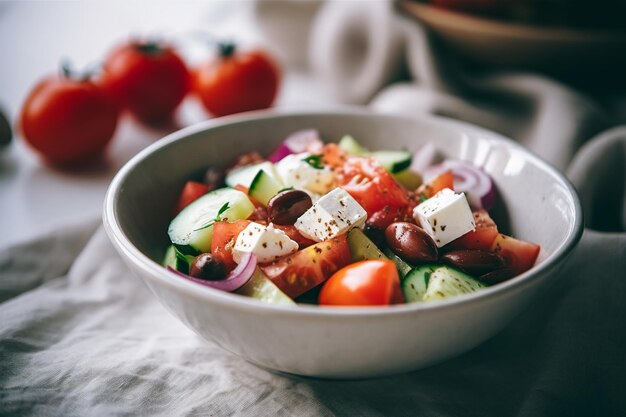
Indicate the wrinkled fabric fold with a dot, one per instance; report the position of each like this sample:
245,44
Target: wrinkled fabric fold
544,114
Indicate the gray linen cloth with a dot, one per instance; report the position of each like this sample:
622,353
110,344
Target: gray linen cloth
79,335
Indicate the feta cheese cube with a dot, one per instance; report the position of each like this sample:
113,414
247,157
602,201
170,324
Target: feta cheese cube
332,215
445,216
297,173
266,242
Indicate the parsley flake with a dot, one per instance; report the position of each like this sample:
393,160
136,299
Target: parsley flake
217,218
315,161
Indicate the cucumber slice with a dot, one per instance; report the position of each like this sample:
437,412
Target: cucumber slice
447,282
350,145
192,229
415,283
245,175
403,267
170,257
175,259
361,247
264,187
408,179
263,289
393,161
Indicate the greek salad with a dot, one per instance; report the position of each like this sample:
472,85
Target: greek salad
340,224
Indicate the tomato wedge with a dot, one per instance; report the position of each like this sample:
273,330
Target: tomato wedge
371,185
443,180
481,238
518,255
191,192
224,237
333,156
298,273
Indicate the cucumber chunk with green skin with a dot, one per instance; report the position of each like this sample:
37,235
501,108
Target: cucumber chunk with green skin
263,289
446,282
415,282
409,179
393,161
192,228
245,175
177,260
264,187
361,247
402,267
170,258
350,145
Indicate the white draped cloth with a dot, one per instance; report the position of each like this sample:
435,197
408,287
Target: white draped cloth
80,335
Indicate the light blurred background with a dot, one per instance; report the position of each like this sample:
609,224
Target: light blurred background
506,65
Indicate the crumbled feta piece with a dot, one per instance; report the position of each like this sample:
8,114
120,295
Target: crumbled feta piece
445,216
297,173
332,215
266,242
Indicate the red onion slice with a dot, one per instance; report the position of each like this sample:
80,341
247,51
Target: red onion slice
237,278
469,179
298,142
423,157
280,152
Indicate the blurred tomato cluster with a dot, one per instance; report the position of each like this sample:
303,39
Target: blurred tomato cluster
70,117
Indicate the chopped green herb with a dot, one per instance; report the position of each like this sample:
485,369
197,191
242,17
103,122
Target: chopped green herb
217,218
423,197
284,189
221,211
315,161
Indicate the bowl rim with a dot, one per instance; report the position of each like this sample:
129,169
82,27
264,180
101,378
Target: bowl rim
201,293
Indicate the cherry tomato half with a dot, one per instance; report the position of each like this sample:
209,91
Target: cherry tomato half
149,79
68,120
364,283
237,82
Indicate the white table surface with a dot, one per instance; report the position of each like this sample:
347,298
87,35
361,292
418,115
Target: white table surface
36,35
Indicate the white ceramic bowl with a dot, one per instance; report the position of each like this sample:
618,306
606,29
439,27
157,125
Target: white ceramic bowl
537,204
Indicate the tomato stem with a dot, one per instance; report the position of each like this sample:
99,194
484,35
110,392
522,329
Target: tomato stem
226,48
149,48
68,71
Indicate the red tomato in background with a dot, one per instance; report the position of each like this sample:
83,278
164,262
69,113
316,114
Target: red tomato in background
148,79
68,121
224,238
364,283
237,82
191,192
297,273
